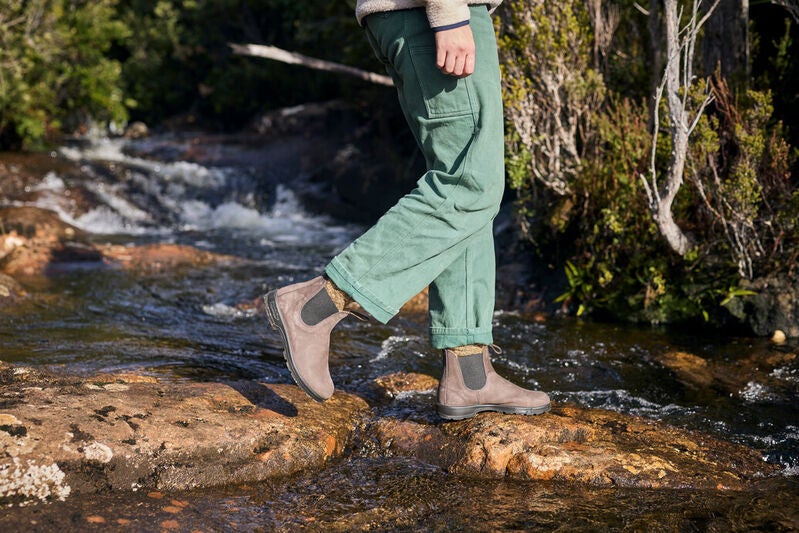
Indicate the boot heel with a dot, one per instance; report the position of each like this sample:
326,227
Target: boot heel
456,413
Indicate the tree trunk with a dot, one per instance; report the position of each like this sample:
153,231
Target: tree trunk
678,126
726,42
655,53
684,115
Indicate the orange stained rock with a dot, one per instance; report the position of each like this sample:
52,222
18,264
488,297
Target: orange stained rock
330,445
170,524
392,384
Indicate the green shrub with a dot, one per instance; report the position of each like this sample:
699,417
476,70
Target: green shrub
582,201
54,67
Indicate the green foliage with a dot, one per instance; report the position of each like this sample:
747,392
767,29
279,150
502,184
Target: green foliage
550,91
738,203
54,67
67,63
179,57
774,46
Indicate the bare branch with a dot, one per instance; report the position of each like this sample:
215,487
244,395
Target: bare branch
676,83
293,58
791,5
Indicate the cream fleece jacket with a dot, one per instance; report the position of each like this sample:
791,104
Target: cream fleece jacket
439,12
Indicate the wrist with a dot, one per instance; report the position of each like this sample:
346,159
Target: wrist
450,26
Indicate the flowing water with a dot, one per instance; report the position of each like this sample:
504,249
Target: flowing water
186,325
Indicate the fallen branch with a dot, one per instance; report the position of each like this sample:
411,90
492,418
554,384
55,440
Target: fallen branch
293,58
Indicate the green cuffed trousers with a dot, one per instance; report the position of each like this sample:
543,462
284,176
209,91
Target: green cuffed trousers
441,233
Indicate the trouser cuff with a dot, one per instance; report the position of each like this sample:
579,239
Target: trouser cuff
442,338
365,298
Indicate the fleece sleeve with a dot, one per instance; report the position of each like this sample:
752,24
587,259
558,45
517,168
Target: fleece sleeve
446,12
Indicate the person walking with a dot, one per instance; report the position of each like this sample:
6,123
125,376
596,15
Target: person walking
442,56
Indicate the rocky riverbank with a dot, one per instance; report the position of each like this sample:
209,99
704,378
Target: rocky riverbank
36,243
66,436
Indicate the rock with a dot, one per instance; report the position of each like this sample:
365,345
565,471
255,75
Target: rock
397,383
689,368
775,306
161,257
734,377
778,337
62,436
35,240
69,436
577,445
10,290
416,305
137,130
303,118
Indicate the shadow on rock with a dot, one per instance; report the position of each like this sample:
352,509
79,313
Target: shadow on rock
263,397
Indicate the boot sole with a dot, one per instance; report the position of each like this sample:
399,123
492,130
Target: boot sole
276,322
459,413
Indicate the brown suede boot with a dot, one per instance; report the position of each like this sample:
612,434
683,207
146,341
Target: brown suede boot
305,315
470,385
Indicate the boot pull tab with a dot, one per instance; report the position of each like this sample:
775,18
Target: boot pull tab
496,349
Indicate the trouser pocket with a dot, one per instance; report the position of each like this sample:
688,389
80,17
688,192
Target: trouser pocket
443,95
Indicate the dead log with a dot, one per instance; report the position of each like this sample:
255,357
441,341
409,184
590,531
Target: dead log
293,58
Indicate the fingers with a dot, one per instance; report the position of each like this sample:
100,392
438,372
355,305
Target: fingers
441,57
455,51
457,65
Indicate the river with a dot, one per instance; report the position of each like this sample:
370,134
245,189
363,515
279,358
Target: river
188,326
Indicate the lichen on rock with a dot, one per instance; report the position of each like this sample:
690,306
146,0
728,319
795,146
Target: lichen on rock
25,482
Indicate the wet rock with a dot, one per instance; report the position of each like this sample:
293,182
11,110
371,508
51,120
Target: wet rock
398,383
689,368
577,445
34,240
161,257
736,377
86,435
304,118
10,290
37,242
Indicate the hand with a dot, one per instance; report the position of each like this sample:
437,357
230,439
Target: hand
455,51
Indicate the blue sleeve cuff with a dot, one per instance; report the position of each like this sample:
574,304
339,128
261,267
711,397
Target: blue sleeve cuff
450,26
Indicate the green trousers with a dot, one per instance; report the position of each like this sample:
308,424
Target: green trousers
440,234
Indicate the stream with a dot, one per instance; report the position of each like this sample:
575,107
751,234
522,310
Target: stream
244,201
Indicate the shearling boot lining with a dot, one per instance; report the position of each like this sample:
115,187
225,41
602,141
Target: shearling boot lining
468,349
340,298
